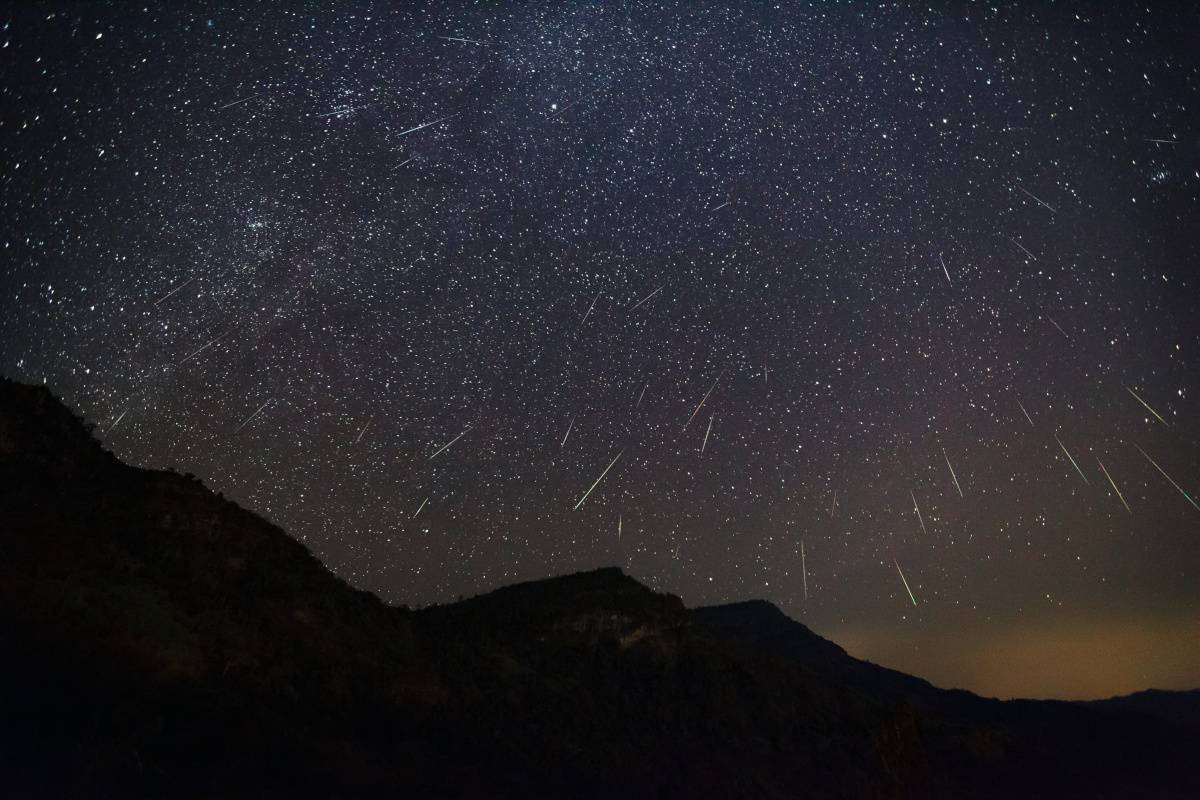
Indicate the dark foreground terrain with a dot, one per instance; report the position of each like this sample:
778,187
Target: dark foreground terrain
157,640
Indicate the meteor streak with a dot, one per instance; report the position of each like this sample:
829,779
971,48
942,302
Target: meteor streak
1035,197
706,394
447,444
418,511
589,311
917,509
427,124
952,475
804,569
570,425
597,483
1148,408
644,299
173,291
706,433
1114,485
1026,413
246,421
943,263
1077,469
902,578
1032,257
1168,477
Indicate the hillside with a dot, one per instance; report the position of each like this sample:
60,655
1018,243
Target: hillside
159,640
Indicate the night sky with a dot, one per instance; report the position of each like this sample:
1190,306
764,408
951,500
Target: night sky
829,297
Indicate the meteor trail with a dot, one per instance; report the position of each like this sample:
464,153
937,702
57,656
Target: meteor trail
246,99
589,311
644,299
718,208
1023,250
1060,327
1077,469
427,124
706,394
570,425
423,502
1168,477
952,475
1148,408
917,509
447,444
619,527
1026,413
1114,485
202,348
246,421
463,39
640,396
173,291
943,263
833,506
1035,197
804,569
902,578
118,421
597,483
706,433
364,429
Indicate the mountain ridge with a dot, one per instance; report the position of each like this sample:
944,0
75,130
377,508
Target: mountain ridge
163,640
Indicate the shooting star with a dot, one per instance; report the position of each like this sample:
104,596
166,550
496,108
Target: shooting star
589,311
952,475
202,348
1162,141
1168,477
902,578
239,102
337,112
644,299
1060,327
117,422
1026,413
804,569
427,124
943,263
1148,408
364,429
447,444
464,39
570,425
1038,199
619,521
246,421
703,399
706,433
917,509
833,506
640,396
556,109
171,293
423,502
1114,485
597,483
1077,469
718,208
1032,257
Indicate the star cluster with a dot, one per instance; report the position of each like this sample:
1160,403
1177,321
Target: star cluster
888,315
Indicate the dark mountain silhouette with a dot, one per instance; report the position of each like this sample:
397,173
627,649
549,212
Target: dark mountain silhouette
159,641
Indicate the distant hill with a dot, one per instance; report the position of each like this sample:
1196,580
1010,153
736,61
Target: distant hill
160,641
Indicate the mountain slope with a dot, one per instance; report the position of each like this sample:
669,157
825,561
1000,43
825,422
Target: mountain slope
160,641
